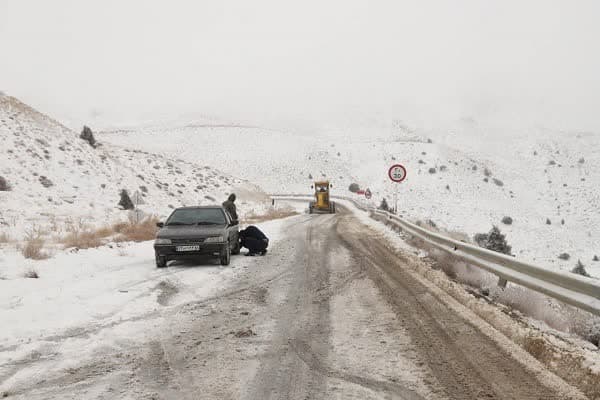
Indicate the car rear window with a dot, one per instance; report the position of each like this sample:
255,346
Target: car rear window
197,216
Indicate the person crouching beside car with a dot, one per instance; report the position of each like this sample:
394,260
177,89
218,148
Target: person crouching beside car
254,240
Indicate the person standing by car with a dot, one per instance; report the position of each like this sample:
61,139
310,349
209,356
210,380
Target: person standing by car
229,205
254,240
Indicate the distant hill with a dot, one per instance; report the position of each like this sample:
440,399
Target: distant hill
53,175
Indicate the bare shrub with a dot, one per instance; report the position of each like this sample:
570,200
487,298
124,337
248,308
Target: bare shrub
579,269
4,185
34,247
493,240
31,273
88,136
564,256
270,214
4,237
82,236
84,239
354,187
432,170
498,182
137,231
507,220
487,172
45,181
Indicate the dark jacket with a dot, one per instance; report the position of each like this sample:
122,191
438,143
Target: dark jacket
253,239
253,232
229,205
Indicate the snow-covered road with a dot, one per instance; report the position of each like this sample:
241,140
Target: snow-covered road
330,312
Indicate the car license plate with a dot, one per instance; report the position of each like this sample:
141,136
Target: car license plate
187,248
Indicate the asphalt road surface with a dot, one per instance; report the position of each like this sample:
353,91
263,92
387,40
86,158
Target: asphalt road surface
330,313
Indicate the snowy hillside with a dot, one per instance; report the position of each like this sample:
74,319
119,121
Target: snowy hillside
532,177
53,176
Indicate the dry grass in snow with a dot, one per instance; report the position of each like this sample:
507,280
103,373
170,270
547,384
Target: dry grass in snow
270,214
85,237
4,237
33,248
31,273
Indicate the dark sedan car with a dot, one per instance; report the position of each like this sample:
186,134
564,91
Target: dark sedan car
191,231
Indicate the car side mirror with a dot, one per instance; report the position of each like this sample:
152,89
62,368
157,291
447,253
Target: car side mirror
311,186
160,224
234,223
330,185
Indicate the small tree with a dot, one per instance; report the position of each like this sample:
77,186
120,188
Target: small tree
354,187
88,136
580,269
493,240
125,201
564,256
4,186
384,205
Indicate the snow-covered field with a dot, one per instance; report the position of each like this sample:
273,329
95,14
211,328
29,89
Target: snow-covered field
534,175
56,179
97,298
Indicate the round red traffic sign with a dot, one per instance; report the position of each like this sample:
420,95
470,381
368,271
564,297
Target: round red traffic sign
397,173
368,193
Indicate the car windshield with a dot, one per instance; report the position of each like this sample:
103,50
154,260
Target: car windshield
197,216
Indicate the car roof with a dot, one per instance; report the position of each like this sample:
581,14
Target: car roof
199,207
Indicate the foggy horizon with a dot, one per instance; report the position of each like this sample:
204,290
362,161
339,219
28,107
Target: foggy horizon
430,63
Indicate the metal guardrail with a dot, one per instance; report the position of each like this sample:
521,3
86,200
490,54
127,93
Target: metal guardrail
569,288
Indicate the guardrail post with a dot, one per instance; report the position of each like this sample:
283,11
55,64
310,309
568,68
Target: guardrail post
502,283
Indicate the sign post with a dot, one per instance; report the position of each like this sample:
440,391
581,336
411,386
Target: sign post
397,173
137,200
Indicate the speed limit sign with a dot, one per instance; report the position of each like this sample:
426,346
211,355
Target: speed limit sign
397,173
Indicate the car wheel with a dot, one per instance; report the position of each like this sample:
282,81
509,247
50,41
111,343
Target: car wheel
226,255
161,261
236,249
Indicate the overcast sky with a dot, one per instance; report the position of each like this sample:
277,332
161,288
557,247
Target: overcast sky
264,60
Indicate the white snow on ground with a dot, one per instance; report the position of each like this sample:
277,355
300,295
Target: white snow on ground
56,178
99,297
534,175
